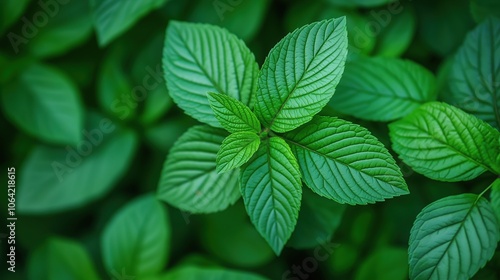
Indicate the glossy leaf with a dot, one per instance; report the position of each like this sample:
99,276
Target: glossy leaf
136,240
114,17
189,180
236,150
452,238
58,179
272,190
201,58
475,74
46,104
344,162
392,87
444,143
233,115
300,74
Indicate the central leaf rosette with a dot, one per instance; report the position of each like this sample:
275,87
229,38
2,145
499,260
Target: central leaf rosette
272,139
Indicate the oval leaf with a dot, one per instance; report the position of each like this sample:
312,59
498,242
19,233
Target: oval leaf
272,190
444,143
58,179
114,17
300,74
61,259
452,238
233,115
344,162
201,58
392,87
136,240
236,150
475,73
45,103
189,180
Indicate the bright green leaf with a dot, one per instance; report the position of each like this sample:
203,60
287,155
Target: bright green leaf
318,219
481,9
300,74
475,74
344,162
189,272
452,238
444,143
233,115
189,179
57,179
61,259
201,58
383,89
236,150
68,26
45,103
136,240
114,17
272,190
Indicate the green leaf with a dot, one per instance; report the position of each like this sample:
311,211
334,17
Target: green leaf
398,34
10,11
222,237
386,263
482,9
201,58
475,76
58,179
45,103
236,150
189,272
444,143
319,218
189,180
300,74
495,197
360,3
68,26
137,238
61,259
113,17
452,238
392,87
344,162
271,190
233,115
242,18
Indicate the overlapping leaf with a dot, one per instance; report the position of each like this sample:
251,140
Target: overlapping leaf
236,150
137,238
452,238
444,143
271,190
475,74
189,179
200,58
233,115
383,89
300,74
344,162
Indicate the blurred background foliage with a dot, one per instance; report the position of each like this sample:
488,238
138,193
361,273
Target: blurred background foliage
78,71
